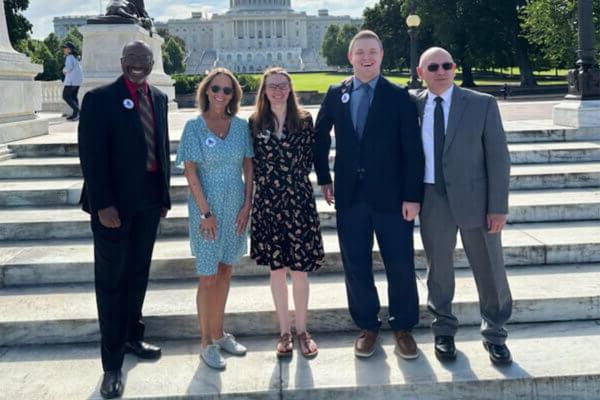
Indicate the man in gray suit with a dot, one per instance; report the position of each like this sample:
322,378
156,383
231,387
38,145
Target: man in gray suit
467,172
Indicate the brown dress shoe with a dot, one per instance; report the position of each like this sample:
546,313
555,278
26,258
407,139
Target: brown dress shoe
365,343
406,345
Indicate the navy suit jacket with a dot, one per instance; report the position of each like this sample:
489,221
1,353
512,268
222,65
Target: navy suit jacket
390,151
113,150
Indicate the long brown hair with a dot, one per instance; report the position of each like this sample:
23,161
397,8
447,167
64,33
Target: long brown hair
263,117
202,98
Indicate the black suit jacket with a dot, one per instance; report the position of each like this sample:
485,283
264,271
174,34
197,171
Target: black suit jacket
113,150
390,152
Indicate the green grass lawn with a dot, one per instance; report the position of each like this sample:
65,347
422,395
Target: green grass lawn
320,81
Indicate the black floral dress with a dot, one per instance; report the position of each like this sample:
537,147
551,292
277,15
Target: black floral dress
285,229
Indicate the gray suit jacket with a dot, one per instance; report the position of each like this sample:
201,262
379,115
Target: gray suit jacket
476,159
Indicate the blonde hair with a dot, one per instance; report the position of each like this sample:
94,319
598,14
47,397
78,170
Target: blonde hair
364,34
236,98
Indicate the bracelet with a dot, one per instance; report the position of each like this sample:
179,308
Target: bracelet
206,216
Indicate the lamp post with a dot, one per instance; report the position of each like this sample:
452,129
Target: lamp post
413,21
584,80
581,106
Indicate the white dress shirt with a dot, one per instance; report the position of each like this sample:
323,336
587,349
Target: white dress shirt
427,130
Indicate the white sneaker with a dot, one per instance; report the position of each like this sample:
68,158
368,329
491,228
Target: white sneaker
211,356
228,344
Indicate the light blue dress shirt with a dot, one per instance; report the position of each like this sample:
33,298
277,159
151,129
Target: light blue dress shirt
357,94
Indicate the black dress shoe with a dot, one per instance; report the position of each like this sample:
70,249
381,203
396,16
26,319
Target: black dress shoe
499,353
112,386
445,350
143,350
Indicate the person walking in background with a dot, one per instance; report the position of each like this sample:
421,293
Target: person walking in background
215,149
124,152
285,230
378,189
467,173
73,79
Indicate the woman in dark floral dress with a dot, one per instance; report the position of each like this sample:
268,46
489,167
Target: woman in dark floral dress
285,233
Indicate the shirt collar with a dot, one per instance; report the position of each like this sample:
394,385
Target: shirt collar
447,95
357,82
132,87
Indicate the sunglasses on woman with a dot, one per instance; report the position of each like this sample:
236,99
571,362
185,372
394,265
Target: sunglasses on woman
226,90
447,66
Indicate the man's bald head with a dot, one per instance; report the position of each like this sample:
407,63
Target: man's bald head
137,61
433,51
437,69
136,45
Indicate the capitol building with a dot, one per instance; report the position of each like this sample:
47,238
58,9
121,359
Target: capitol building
250,36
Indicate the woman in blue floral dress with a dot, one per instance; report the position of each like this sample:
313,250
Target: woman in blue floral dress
215,150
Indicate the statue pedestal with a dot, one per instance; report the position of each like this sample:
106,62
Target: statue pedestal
577,113
102,48
21,95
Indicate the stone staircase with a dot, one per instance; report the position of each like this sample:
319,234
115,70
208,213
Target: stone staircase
49,329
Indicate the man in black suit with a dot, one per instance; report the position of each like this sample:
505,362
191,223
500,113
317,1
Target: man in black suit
379,170
124,153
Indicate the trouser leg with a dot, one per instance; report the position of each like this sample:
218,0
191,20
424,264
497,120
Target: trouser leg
111,247
438,232
70,97
395,239
355,235
484,252
142,237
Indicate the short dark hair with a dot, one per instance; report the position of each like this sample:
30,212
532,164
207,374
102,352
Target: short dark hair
70,46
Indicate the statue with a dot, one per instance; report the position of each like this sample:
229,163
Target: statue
125,12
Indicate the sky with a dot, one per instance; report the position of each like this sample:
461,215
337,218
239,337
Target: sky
41,12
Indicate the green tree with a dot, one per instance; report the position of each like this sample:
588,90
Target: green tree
47,52
552,25
52,67
18,26
329,47
173,57
164,33
386,18
468,29
335,44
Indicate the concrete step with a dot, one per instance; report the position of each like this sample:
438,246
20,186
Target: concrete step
5,153
39,262
42,192
67,313
558,152
66,170
38,223
521,153
527,131
570,372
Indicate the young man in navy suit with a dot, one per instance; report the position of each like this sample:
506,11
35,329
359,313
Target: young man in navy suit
124,153
378,188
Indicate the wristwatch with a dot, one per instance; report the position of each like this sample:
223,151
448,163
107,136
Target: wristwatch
205,216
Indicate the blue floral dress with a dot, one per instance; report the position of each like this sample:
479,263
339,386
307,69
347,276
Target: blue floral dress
219,168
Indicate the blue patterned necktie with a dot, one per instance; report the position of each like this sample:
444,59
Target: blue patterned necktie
363,109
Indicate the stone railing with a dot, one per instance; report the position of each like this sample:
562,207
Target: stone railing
52,97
